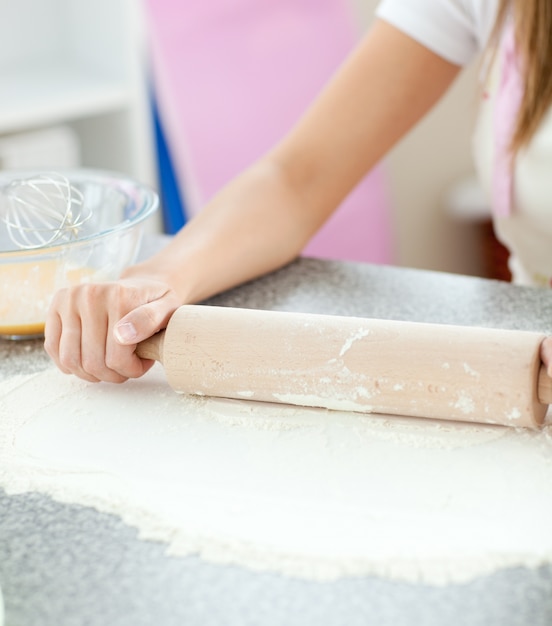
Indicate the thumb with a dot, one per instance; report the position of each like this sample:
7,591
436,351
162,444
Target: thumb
144,321
546,354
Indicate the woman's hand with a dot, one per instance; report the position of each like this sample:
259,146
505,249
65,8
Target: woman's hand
92,329
263,218
546,354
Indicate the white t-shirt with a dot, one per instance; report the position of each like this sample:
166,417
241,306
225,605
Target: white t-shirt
458,30
454,29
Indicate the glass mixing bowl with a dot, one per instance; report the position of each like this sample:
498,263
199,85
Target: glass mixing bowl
103,246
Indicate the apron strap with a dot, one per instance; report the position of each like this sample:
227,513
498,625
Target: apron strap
508,101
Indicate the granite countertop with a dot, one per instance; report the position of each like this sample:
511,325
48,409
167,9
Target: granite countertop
68,565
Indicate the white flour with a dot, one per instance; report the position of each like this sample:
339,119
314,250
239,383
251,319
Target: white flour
304,492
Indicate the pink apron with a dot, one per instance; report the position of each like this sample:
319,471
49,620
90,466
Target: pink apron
233,77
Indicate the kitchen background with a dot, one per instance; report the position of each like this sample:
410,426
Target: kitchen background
182,95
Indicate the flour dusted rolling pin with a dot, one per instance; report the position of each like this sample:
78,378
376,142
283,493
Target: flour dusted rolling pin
355,364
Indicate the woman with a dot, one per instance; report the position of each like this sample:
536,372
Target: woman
263,219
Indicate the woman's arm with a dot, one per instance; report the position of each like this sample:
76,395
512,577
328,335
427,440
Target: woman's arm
263,218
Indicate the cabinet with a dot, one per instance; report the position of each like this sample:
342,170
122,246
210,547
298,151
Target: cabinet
81,64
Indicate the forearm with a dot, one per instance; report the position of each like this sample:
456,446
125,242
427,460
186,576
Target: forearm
256,224
263,218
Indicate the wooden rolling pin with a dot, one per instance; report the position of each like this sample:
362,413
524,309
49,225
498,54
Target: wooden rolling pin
354,364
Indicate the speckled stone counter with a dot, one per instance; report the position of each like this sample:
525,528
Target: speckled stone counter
70,565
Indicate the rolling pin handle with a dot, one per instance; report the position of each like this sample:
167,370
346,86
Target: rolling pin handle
544,387
152,348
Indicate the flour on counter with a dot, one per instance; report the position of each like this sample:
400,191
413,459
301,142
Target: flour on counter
302,491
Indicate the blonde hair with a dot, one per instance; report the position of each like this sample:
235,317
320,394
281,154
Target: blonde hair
533,33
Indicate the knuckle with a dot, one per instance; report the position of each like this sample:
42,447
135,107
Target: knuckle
121,363
114,362
93,365
89,294
58,298
150,314
156,314
51,347
69,360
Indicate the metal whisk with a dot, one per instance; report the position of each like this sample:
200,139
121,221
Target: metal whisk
42,210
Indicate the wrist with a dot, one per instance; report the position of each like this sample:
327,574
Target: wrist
156,272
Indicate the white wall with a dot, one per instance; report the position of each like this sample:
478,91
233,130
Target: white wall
421,168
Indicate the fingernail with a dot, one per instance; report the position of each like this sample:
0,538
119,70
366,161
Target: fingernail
125,333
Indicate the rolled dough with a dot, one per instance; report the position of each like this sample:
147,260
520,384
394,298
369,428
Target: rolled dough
305,492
